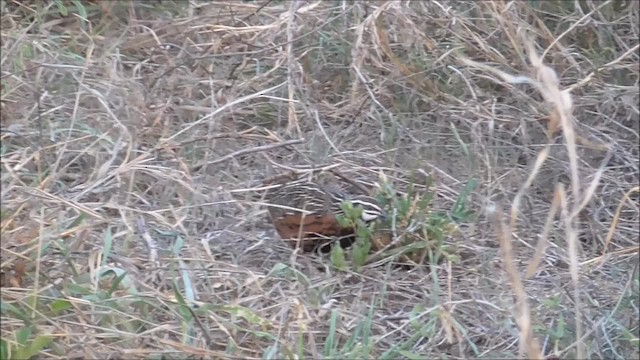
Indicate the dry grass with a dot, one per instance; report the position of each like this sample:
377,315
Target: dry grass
135,134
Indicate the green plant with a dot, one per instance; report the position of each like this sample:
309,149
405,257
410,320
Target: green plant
413,231
359,252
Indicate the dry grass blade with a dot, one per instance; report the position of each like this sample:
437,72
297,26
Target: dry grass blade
544,237
614,223
549,86
248,151
515,204
138,138
224,107
528,343
572,244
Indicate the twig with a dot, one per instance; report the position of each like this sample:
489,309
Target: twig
149,241
248,151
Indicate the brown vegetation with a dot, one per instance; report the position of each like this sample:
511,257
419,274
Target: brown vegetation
136,136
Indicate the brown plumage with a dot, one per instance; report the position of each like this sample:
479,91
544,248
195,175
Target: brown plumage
304,212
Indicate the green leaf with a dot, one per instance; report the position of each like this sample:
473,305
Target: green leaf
414,314
23,334
363,231
337,257
279,268
459,211
357,213
7,308
560,329
4,349
330,345
403,205
183,308
186,281
359,252
122,277
271,353
61,8
39,343
425,201
249,315
343,221
34,347
82,11
116,283
77,289
346,206
60,305
178,245
77,221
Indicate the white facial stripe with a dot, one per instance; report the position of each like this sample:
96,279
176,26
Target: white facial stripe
366,216
367,206
370,211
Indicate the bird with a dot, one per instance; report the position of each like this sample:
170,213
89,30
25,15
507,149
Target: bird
304,212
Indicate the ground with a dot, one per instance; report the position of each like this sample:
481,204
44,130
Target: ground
136,136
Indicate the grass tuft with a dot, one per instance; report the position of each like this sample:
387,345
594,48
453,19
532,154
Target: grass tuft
133,134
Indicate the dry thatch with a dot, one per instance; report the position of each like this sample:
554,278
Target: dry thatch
135,134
